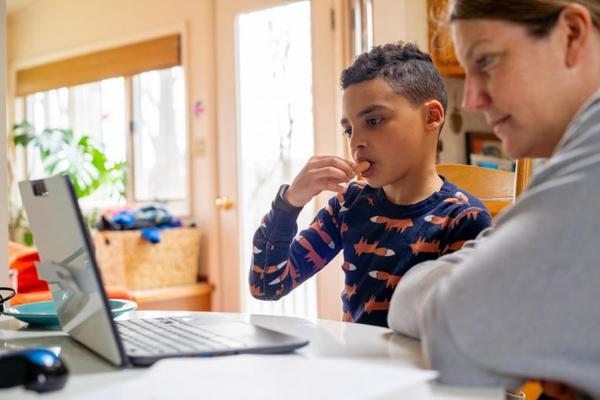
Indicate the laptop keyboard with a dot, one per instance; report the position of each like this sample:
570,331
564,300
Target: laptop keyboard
171,336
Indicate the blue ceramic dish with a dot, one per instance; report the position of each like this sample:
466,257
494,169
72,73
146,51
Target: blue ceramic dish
44,312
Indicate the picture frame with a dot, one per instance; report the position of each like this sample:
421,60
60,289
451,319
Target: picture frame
484,149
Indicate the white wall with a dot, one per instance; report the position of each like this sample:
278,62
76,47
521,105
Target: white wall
3,161
406,20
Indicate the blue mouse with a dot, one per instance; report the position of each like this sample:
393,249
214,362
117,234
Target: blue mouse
38,369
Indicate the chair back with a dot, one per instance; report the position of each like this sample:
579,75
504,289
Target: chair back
495,188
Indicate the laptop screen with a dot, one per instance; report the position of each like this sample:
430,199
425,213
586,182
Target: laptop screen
69,265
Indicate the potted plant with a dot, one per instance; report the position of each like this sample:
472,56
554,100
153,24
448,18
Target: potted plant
82,160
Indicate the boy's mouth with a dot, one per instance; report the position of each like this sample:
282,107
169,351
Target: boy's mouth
366,167
369,171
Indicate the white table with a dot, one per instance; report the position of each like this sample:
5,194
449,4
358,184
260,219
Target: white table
327,339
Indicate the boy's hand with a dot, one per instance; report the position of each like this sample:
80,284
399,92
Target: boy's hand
320,173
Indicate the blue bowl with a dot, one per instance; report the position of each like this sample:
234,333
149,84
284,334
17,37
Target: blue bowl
44,312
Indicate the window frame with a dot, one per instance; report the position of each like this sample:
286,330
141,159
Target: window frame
180,207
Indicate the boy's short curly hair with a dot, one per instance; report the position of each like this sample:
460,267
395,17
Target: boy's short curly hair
409,72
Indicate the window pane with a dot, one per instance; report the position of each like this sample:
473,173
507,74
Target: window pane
276,129
45,110
97,110
160,144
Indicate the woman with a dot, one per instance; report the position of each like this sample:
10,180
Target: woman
522,300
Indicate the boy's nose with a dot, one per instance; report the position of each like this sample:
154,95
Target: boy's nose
475,97
357,141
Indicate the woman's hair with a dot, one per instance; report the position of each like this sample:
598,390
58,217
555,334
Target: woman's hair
539,16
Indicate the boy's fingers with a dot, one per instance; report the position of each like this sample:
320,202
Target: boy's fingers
337,162
331,174
335,187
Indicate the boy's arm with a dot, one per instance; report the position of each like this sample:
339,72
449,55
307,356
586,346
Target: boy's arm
281,261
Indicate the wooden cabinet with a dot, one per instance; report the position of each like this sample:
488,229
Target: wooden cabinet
194,297
441,47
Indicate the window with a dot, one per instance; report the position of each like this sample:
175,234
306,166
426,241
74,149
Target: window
95,109
138,117
159,140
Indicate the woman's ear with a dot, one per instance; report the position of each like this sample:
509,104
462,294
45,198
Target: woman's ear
434,115
577,23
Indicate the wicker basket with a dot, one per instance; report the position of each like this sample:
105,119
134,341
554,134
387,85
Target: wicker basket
126,259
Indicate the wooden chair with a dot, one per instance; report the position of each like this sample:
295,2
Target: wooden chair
495,188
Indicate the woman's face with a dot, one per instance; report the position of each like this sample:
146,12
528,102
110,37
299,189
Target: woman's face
518,81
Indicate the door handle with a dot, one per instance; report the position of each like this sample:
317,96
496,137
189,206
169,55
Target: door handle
224,203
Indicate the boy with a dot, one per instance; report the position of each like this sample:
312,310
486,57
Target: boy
393,109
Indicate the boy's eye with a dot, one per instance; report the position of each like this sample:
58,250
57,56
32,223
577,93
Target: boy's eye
347,132
374,121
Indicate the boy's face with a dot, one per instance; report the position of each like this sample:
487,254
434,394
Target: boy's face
386,130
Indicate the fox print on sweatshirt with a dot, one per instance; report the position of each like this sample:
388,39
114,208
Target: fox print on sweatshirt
380,241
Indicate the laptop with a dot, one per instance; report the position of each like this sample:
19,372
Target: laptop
69,265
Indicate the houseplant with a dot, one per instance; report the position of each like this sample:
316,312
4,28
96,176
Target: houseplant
60,152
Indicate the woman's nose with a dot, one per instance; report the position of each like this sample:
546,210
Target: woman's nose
475,97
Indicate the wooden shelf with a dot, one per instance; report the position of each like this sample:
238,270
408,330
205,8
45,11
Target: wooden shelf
194,297
441,46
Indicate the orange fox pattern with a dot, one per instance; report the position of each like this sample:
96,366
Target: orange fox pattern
421,246
454,246
380,243
443,222
290,269
364,247
318,227
390,280
373,305
399,224
312,255
347,316
468,214
344,228
459,198
256,291
349,291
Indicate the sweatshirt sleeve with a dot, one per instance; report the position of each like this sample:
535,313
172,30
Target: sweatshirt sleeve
281,260
518,302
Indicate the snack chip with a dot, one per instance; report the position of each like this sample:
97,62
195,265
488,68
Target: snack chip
362,167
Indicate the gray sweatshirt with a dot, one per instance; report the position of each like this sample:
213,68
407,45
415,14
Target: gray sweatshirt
523,299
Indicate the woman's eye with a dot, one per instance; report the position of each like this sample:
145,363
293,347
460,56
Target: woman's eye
347,132
374,121
484,61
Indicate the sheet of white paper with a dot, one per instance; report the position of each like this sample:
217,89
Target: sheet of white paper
277,377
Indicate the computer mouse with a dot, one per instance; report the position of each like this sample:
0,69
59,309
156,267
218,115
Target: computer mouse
37,369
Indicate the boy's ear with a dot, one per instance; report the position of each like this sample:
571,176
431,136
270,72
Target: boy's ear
434,115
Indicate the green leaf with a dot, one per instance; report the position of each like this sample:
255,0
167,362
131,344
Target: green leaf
82,160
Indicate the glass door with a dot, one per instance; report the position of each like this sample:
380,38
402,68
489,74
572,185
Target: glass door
266,132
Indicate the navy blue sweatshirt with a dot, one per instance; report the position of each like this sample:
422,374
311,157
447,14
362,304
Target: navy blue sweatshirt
380,242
